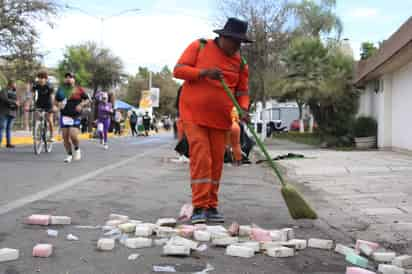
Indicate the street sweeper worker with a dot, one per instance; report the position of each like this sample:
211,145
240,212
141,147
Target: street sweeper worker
205,109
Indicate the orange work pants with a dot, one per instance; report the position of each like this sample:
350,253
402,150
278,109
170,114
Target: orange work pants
233,140
179,125
206,149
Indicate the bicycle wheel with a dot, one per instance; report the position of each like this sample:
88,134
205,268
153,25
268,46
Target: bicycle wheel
37,136
46,137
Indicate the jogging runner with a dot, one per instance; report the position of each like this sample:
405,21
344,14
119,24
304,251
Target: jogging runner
71,99
45,99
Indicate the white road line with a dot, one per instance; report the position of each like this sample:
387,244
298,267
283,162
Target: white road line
70,183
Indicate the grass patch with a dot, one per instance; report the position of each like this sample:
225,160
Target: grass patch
312,139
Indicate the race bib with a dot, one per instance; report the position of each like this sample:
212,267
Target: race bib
67,121
100,127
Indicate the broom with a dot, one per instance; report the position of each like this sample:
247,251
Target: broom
298,207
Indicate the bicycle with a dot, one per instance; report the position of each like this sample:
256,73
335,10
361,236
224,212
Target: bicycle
41,131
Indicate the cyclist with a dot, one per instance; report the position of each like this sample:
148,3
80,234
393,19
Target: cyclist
71,99
45,99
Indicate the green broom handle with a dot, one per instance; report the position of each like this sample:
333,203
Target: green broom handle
252,130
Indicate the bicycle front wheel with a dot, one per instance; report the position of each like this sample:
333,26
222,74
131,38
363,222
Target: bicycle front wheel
48,144
37,137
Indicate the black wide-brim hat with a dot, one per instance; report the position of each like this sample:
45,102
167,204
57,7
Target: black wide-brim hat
236,29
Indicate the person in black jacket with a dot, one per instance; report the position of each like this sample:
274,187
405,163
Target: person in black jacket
146,123
8,111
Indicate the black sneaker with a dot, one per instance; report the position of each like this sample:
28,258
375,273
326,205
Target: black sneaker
214,216
198,216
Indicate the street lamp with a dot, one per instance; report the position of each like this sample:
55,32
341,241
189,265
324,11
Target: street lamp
102,19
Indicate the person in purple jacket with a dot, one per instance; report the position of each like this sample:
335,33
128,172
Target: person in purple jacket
104,112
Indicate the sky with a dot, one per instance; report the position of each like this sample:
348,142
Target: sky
157,34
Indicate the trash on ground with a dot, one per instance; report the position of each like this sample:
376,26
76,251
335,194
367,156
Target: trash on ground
88,226
165,232
202,248
245,230
105,244
8,254
186,212
158,268
298,244
357,270
120,217
208,268
113,232
234,229
138,242
404,261
383,257
127,227
37,219
177,240
344,250
202,236
160,242
115,223
225,241
170,222
240,251
60,220
133,257
320,244
390,269
143,230
71,237
253,245
373,245
42,250
260,235
186,231
176,250
280,252
357,260
52,233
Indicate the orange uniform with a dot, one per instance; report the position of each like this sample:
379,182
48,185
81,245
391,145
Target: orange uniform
205,111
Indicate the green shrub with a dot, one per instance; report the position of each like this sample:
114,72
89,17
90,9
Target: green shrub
365,127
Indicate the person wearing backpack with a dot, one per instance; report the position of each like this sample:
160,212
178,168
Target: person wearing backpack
133,123
205,109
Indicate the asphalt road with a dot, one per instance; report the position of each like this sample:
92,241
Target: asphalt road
136,178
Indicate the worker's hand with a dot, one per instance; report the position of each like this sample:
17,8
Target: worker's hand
245,116
214,74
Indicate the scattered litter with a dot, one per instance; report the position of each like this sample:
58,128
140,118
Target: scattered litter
166,232
113,232
278,235
138,242
240,251
234,229
170,222
168,268
287,234
71,237
260,235
176,250
38,219
344,250
208,268
133,257
298,244
202,248
357,260
127,227
365,249
136,222
105,244
202,236
320,244
373,245
357,270
186,231
254,245
8,254
160,242
42,250
89,227
123,238
186,212
107,228
177,240
268,245
225,241
200,227
120,217
383,257
115,223
60,220
390,269
143,230
245,230
52,233
280,252
404,261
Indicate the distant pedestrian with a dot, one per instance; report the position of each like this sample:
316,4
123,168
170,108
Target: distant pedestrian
118,117
133,123
27,104
104,111
146,123
8,112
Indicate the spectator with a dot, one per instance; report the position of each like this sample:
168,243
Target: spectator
118,117
146,123
133,123
8,111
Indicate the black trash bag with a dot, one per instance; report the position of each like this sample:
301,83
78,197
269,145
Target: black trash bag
182,147
246,143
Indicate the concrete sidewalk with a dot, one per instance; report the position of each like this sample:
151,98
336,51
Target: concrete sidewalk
364,194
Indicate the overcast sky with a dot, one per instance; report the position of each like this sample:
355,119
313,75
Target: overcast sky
157,34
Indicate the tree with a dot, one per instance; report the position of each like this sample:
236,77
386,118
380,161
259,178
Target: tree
17,24
94,67
303,62
268,29
367,50
316,18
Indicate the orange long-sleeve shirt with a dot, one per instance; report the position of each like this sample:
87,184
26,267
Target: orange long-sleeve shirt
204,101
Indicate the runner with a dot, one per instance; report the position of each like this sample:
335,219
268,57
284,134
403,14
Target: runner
71,99
45,99
104,113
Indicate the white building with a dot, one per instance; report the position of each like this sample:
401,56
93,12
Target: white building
387,96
